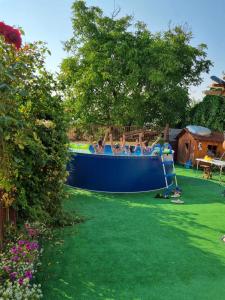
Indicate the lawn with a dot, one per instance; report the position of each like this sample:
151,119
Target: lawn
137,247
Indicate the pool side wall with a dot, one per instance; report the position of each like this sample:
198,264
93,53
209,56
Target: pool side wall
116,174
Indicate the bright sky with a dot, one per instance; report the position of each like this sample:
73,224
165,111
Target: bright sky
50,21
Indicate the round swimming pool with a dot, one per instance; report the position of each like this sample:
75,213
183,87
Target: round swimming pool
118,173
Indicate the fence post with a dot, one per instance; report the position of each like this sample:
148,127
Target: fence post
7,216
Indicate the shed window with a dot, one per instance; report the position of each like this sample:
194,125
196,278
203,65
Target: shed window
186,146
212,148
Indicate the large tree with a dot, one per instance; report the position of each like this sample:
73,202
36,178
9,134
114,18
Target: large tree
123,75
210,113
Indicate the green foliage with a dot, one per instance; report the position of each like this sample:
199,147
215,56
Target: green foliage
122,77
210,113
33,141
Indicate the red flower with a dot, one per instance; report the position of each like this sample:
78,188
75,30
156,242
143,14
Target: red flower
11,35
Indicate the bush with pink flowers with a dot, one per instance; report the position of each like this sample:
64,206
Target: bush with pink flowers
12,35
18,265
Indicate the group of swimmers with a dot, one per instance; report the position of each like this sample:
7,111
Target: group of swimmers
120,147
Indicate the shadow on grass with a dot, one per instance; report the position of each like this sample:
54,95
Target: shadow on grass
194,191
138,247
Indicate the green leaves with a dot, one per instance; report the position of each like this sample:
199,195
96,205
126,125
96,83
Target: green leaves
115,75
4,87
33,154
210,113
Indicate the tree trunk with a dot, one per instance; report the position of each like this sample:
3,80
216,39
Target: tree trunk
166,133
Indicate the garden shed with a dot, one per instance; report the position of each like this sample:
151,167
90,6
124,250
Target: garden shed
192,146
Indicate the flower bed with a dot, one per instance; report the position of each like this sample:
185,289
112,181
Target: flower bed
18,264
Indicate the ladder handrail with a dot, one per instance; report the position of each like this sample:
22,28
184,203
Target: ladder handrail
164,170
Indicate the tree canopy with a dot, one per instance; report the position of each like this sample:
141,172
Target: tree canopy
120,73
210,113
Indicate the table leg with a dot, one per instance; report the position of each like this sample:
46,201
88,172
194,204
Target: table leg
197,164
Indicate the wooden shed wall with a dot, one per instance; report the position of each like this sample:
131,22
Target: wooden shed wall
203,152
185,153
193,150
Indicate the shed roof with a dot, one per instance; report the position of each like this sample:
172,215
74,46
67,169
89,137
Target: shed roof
217,137
173,133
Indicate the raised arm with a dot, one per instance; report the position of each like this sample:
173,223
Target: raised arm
111,142
105,137
140,141
156,141
123,141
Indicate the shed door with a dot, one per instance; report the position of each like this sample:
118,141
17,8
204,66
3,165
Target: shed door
186,150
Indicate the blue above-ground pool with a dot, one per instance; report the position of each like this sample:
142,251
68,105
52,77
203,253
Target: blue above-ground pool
117,173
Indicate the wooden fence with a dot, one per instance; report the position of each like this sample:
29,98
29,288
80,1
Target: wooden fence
7,216
131,132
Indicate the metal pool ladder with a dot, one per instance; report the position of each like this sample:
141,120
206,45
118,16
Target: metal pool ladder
169,162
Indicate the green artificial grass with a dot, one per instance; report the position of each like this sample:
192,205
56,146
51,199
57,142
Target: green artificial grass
138,247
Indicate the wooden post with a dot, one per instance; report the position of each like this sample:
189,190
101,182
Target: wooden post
7,216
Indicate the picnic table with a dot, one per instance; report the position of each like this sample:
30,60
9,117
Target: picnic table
216,162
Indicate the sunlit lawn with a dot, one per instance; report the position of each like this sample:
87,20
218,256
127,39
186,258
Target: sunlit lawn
138,247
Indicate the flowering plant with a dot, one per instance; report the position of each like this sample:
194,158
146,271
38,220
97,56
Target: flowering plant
15,291
11,35
18,264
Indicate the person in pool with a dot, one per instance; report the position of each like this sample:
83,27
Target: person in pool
132,149
145,148
117,148
100,145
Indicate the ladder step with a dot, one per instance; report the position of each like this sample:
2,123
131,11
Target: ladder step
168,162
171,175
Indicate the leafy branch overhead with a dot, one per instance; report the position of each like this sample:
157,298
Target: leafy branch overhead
120,73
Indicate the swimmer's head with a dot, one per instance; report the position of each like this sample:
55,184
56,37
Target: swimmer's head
100,143
146,143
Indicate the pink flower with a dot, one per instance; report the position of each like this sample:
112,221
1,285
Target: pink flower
13,275
13,250
15,258
11,35
32,232
28,274
21,242
34,245
20,281
19,248
28,247
7,269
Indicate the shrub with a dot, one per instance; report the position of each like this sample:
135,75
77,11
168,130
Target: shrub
18,264
33,141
